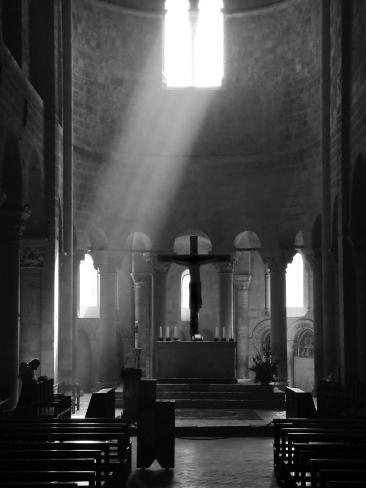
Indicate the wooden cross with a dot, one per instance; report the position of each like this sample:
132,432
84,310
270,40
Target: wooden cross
193,261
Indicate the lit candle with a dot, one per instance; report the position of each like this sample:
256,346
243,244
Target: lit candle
224,333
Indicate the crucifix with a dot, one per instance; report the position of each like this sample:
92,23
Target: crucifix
193,261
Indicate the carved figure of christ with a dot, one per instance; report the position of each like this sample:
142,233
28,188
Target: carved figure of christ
193,261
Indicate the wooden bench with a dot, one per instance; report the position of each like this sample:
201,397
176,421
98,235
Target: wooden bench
74,440
295,441
346,475
318,465
39,484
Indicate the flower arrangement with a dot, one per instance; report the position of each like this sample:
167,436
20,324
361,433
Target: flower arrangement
265,369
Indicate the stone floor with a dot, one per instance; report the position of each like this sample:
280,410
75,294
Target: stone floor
211,462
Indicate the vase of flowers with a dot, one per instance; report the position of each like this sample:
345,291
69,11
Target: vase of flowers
265,369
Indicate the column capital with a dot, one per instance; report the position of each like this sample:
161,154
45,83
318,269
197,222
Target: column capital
107,261
242,282
226,267
314,258
32,252
278,262
139,279
158,267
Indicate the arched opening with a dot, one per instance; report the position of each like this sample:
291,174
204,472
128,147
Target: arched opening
184,301
182,242
304,359
88,289
295,286
193,43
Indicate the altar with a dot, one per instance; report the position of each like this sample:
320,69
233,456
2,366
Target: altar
203,360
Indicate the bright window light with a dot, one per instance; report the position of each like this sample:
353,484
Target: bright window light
295,282
89,289
193,44
185,312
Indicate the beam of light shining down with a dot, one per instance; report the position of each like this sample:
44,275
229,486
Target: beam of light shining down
200,65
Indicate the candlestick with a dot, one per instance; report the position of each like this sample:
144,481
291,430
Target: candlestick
223,334
168,333
216,333
136,334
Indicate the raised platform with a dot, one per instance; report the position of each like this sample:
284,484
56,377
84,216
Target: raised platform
201,360
202,395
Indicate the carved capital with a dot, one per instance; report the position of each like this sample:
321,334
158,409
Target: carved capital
32,253
158,267
242,282
139,280
277,264
226,267
107,261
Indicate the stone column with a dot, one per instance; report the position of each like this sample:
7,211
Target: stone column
242,283
109,369
226,284
11,228
315,262
141,285
160,272
277,269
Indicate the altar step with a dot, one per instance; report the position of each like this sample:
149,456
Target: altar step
221,396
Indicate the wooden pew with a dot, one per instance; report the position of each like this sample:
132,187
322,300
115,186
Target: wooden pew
346,475
304,454
39,484
110,438
318,465
311,432
346,484
48,476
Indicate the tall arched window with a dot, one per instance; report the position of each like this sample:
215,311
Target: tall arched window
295,286
193,43
184,301
89,289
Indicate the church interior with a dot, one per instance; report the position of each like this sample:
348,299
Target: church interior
181,191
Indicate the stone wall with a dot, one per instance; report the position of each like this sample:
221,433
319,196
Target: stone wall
260,150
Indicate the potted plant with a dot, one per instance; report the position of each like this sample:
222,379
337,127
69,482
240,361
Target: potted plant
265,369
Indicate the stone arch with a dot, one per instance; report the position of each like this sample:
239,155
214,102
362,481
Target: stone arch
301,354
97,238
138,242
181,243
260,336
247,240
